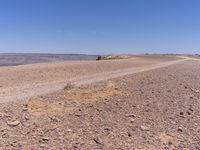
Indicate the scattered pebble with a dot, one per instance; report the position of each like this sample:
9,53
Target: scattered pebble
130,115
144,128
129,134
13,123
26,117
180,129
42,145
181,113
132,120
189,113
25,109
98,140
45,139
190,109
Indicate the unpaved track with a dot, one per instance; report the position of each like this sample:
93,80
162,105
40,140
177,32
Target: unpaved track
24,92
154,110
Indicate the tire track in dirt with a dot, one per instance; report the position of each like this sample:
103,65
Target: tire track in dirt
14,93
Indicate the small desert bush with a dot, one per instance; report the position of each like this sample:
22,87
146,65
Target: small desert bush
68,86
111,57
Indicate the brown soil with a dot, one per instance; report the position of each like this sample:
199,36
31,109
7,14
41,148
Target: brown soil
155,109
26,81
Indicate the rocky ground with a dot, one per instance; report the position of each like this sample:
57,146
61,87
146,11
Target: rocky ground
157,109
25,81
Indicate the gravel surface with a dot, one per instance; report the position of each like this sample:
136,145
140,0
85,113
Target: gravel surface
25,81
156,109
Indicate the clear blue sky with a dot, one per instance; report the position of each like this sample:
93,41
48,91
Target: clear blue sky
100,26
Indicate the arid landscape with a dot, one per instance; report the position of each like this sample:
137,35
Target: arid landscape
141,102
14,59
99,75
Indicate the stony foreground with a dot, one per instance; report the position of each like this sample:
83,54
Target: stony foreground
158,109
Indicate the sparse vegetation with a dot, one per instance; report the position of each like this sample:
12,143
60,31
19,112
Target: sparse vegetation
110,57
68,86
101,95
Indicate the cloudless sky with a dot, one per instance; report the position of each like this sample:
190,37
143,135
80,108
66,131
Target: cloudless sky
100,26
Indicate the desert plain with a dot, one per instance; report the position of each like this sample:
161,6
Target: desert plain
143,102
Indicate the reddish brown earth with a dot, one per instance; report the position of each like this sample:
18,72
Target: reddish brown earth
25,81
154,109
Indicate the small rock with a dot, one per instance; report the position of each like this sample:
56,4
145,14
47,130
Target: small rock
129,134
24,108
191,96
196,91
107,129
189,113
99,109
42,145
69,130
166,147
170,143
130,115
26,117
181,113
14,123
98,140
180,129
77,115
190,109
132,120
181,146
45,139
144,128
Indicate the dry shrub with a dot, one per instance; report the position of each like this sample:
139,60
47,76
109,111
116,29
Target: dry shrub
69,86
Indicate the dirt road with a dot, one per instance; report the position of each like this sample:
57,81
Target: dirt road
22,82
154,109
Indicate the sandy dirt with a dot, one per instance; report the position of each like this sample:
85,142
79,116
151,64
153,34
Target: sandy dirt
155,105
20,82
